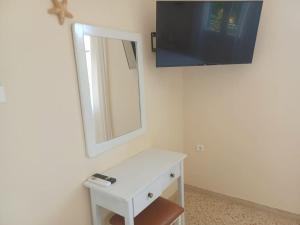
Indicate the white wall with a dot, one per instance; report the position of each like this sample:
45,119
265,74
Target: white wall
42,154
247,116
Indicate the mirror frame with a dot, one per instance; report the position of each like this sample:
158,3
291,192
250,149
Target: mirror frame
79,30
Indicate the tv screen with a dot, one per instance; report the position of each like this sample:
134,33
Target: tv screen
192,33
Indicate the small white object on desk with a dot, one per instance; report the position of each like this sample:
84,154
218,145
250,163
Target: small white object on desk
140,181
98,181
2,95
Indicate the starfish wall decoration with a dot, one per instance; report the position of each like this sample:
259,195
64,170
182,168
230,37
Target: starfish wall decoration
60,9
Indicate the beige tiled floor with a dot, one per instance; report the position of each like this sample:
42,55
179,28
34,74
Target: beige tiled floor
205,209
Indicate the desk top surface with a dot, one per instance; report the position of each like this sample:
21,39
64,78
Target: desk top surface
136,173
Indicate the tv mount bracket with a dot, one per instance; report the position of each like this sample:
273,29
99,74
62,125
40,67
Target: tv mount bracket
153,41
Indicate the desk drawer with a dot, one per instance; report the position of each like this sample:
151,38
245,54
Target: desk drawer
146,197
170,176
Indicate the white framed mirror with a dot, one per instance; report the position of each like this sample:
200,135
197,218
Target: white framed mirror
111,84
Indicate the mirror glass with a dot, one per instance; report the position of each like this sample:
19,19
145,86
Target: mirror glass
113,80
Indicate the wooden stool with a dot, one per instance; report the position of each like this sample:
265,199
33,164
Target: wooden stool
160,212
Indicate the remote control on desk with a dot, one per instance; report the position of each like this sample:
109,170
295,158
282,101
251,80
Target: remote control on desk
102,180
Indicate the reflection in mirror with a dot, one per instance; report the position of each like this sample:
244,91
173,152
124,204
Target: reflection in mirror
113,85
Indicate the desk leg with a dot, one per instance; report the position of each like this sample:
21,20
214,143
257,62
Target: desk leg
96,214
181,192
129,219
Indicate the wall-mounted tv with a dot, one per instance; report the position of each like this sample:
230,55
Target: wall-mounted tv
194,33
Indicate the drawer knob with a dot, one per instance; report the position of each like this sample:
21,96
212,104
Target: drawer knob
172,175
150,195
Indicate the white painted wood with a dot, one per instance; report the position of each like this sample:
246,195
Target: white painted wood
142,199
181,192
79,30
147,172
129,218
96,214
2,95
167,178
136,173
110,202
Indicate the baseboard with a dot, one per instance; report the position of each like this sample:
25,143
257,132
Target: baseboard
245,202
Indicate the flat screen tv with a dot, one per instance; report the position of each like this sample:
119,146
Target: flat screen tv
194,33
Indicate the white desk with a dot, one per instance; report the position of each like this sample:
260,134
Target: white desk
140,180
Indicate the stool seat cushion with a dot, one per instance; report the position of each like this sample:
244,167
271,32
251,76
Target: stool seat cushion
160,212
